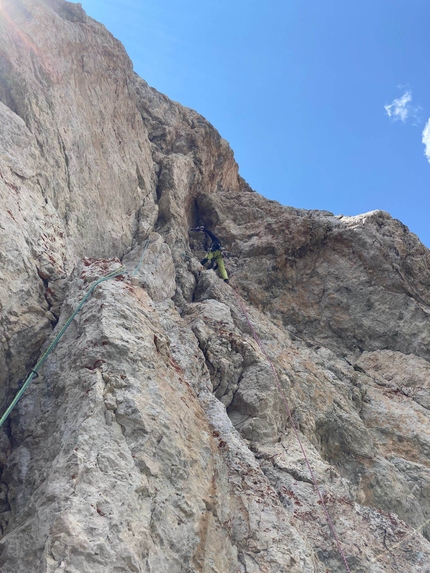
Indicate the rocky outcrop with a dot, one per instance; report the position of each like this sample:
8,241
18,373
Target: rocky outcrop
155,439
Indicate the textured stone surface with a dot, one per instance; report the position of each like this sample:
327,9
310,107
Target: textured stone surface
155,439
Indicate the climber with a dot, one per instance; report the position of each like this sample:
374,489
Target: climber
214,255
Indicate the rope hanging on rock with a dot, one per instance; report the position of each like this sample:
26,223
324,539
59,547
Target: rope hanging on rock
122,271
34,371
293,425
136,270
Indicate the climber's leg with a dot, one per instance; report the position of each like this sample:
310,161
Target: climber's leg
221,269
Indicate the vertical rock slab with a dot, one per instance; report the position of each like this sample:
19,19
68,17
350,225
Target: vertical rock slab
80,106
156,439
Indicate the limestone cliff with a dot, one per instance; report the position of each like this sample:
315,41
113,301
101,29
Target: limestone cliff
155,439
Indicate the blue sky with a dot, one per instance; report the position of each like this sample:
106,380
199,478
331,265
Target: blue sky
301,89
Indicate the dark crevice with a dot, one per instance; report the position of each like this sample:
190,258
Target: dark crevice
5,508
48,295
140,180
241,558
66,160
231,407
294,473
196,217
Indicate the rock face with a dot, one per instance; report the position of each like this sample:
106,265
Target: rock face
155,439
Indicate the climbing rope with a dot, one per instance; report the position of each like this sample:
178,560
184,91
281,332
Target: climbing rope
35,370
293,425
141,258
122,271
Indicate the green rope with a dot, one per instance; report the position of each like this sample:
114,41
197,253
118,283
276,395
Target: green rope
34,371
141,258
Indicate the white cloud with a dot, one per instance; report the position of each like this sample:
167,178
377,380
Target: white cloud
401,108
426,140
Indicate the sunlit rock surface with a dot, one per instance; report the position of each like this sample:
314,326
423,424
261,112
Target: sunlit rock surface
155,439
